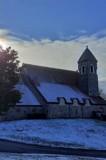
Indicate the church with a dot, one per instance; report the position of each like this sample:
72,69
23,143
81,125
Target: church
57,93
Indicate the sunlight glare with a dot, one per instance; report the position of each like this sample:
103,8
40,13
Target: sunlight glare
3,44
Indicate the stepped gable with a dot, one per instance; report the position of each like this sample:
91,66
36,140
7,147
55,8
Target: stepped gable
87,56
51,75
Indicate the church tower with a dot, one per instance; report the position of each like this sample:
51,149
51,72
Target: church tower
88,78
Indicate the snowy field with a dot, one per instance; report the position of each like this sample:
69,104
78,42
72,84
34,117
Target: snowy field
10,156
77,133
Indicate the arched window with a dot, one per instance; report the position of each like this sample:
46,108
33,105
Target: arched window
83,69
92,68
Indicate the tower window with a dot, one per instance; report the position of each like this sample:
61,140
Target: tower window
83,69
92,68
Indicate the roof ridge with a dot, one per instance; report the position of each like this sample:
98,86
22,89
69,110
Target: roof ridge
47,67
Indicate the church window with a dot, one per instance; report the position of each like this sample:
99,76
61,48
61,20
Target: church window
83,69
92,68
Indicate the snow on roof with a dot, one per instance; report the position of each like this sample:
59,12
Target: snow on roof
51,91
27,96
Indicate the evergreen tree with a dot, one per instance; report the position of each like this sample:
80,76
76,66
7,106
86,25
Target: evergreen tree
9,77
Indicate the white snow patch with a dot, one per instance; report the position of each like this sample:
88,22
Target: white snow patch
27,96
77,133
14,156
51,91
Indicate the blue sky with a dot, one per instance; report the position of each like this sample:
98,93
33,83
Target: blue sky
52,18
55,33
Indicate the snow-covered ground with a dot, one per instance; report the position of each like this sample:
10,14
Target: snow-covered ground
77,133
10,156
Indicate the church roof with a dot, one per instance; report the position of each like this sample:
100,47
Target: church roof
27,96
87,56
99,100
52,75
53,83
51,92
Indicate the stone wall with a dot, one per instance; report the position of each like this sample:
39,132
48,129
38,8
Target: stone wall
56,111
62,109
73,110
20,112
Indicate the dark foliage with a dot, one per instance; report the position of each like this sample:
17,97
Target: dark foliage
9,77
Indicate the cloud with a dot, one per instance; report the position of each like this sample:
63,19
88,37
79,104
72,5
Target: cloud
82,31
59,53
4,32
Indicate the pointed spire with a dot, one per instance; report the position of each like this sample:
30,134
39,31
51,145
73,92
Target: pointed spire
87,56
